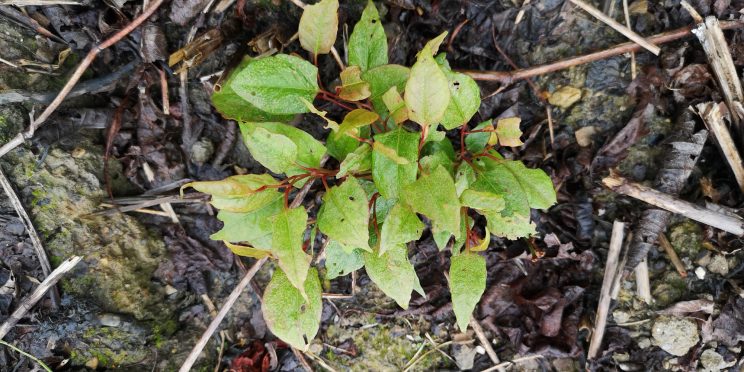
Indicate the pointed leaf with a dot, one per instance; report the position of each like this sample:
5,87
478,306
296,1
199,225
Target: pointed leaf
368,43
512,227
330,124
282,148
286,244
435,197
277,84
388,174
400,227
247,251
359,161
465,97
240,193
254,227
338,262
288,315
482,200
427,93
508,132
395,105
392,273
357,119
467,281
381,79
477,142
318,26
234,107
344,215
353,88
464,177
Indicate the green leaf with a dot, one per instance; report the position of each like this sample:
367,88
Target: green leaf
359,161
282,148
288,315
353,88
477,142
344,215
234,107
512,227
395,105
339,262
465,97
254,227
381,79
438,153
536,185
435,197
286,244
239,193
277,84
368,43
390,176
247,251
340,145
392,273
357,119
482,200
508,132
318,26
467,281
427,93
464,177
400,227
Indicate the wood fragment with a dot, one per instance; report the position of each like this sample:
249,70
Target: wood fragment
508,77
669,249
725,222
38,293
166,207
713,119
719,57
46,268
605,296
682,152
638,39
485,342
643,284
76,75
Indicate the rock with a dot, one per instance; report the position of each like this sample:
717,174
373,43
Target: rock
15,228
110,320
565,96
620,316
700,273
676,336
202,151
92,363
712,361
465,356
718,265
644,342
565,365
584,135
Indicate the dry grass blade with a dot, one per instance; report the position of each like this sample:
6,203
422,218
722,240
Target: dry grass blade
638,39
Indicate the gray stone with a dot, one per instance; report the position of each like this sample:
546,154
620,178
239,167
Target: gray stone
15,228
718,265
676,336
110,320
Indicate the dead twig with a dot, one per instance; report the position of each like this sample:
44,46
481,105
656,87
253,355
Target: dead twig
485,342
669,249
502,366
643,284
46,268
507,77
638,39
40,2
76,75
612,268
725,222
719,57
38,293
713,119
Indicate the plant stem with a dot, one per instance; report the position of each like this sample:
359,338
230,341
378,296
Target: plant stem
35,359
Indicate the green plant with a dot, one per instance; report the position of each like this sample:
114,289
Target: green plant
388,174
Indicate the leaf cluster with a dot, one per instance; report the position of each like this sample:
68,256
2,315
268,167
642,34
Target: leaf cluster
397,173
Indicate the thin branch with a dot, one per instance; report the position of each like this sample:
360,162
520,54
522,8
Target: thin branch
713,119
638,39
605,295
725,222
507,77
485,342
76,75
46,268
38,293
643,284
669,249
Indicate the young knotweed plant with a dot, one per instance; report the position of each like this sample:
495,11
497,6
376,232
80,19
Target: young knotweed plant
389,174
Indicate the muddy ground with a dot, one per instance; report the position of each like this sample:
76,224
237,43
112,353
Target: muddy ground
148,286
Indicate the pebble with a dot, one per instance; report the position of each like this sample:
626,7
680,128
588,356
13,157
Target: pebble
565,96
110,320
718,265
712,361
15,228
92,363
676,336
169,290
700,273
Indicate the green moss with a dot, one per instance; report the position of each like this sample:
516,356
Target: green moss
686,238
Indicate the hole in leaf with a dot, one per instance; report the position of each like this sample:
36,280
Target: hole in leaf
343,219
351,198
303,308
374,21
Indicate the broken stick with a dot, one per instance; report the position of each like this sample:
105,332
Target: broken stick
713,119
605,296
638,39
38,293
728,223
